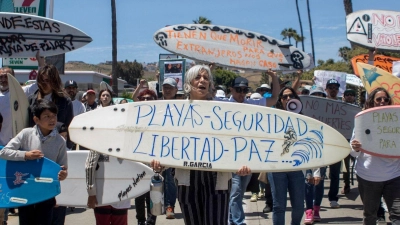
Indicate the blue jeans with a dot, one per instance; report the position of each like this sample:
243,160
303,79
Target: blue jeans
334,171
239,185
281,182
314,194
169,189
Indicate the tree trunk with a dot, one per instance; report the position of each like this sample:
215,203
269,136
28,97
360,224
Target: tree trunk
114,47
301,26
311,33
348,8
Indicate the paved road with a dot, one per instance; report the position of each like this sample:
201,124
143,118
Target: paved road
350,212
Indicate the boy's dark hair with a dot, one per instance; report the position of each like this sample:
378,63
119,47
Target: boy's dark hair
1,118
41,105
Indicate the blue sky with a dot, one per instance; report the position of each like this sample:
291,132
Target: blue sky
137,21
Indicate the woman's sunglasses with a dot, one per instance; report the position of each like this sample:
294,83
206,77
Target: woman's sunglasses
146,98
284,97
382,98
240,90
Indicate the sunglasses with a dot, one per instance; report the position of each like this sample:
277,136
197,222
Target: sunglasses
382,98
284,97
240,90
333,88
146,98
349,95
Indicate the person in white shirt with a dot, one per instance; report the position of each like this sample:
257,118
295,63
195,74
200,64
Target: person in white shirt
71,87
377,176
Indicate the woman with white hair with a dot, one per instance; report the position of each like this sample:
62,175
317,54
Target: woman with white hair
203,195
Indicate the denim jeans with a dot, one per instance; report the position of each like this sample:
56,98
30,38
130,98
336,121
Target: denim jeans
281,183
314,194
170,189
239,184
334,171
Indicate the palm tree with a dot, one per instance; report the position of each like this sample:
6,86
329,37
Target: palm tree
311,33
288,33
301,26
298,38
114,47
202,20
348,8
343,52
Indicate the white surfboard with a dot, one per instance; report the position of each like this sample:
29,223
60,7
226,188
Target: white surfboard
19,105
378,130
116,180
337,114
374,29
22,35
230,46
210,135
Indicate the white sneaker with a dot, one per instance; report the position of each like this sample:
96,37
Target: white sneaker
335,205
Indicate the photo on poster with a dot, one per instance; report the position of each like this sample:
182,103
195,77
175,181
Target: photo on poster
174,69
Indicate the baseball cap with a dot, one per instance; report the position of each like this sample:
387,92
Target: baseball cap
349,91
318,90
70,83
90,91
220,94
332,82
240,82
170,81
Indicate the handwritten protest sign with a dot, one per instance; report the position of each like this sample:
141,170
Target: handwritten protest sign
210,135
378,130
380,61
353,80
23,35
322,76
374,29
231,47
339,115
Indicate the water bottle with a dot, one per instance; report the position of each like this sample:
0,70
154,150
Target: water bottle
156,195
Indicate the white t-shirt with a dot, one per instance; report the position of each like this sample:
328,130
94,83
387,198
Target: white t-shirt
78,107
375,168
6,130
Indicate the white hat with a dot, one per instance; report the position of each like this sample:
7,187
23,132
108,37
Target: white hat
220,94
255,96
265,86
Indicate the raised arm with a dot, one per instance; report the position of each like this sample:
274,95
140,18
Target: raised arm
137,90
275,90
296,82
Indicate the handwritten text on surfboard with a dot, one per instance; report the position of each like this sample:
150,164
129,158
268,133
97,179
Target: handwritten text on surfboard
19,42
252,50
193,147
383,131
136,180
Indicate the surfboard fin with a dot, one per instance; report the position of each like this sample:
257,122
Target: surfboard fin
286,64
285,46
